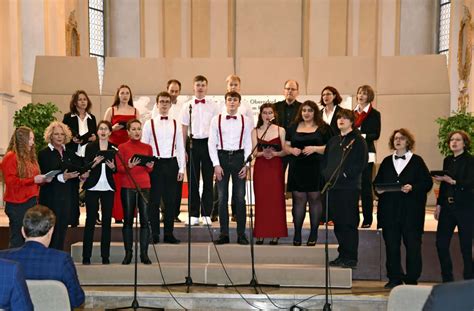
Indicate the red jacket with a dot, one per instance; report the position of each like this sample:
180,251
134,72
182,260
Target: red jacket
139,173
18,190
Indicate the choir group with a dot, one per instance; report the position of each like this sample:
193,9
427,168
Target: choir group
125,166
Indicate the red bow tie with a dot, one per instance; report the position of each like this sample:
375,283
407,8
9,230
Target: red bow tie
202,101
231,117
164,118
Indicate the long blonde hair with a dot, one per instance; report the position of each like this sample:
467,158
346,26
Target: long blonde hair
26,157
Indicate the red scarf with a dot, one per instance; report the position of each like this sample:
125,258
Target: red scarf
360,117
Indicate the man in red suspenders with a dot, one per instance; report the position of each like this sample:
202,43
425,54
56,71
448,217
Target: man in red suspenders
163,134
229,145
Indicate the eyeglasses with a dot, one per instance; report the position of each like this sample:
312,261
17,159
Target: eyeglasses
290,89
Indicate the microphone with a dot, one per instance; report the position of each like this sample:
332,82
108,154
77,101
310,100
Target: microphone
272,120
115,148
349,145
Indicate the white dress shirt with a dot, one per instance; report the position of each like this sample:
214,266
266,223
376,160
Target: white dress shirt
83,128
328,118
102,184
165,134
202,115
244,109
231,133
400,164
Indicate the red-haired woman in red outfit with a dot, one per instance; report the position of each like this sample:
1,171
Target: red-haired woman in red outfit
119,114
22,178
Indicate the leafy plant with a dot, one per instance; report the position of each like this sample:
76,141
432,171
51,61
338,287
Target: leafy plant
37,117
459,121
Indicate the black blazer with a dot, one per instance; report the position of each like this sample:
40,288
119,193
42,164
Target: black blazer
73,124
399,207
280,109
371,128
91,151
335,129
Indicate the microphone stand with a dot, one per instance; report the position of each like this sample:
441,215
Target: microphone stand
327,187
253,282
135,304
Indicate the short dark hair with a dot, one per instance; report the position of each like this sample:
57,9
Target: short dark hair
233,94
162,94
200,78
405,133
337,97
75,98
369,90
346,114
465,137
108,123
37,221
173,81
130,122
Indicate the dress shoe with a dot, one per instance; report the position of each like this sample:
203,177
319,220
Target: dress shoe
274,241
170,239
336,262
392,283
118,221
260,241
193,222
242,240
349,263
223,239
311,243
86,261
105,261
296,243
144,259
127,259
313,237
214,218
177,220
365,225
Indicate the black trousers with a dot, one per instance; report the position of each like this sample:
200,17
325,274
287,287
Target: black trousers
15,213
231,163
106,199
62,209
366,194
344,204
75,210
201,163
215,204
131,200
393,235
163,186
449,218
177,207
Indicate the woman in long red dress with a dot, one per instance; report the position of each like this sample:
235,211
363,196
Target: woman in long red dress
119,114
269,183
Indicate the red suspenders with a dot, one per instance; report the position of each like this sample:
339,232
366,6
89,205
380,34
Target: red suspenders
156,142
241,132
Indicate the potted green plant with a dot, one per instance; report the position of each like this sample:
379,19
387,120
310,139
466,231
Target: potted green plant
37,117
460,120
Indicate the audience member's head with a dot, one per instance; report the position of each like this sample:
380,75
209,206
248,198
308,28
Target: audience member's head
38,224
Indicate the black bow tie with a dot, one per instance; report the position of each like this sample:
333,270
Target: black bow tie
231,117
400,157
164,118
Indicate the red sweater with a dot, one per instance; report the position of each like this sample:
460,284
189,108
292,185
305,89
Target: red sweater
140,173
18,190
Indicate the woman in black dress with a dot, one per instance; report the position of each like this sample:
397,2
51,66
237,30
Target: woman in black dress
99,185
83,126
56,195
455,205
306,140
401,214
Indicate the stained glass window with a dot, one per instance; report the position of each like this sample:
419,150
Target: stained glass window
443,31
97,35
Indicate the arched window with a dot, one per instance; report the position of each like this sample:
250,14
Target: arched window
443,30
97,35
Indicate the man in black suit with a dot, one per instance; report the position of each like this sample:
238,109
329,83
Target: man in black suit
287,110
451,296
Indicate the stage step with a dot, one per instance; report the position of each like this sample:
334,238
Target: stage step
280,264
206,253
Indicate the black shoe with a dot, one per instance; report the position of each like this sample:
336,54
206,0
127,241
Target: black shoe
86,261
214,218
127,259
223,239
233,219
349,263
242,240
260,241
366,225
170,239
105,261
177,220
144,259
274,241
118,221
392,283
296,243
336,262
